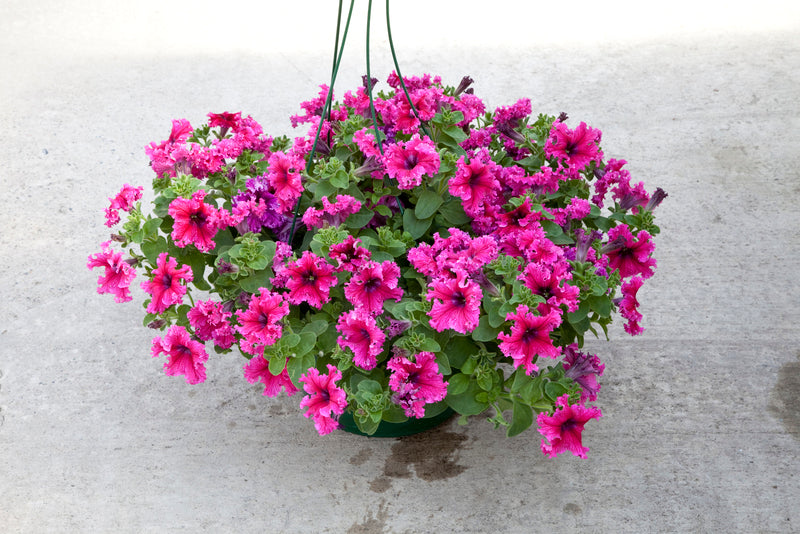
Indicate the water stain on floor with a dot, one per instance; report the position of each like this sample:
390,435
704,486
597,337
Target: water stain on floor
784,400
433,455
374,523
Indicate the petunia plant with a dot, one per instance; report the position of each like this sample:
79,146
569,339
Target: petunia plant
414,251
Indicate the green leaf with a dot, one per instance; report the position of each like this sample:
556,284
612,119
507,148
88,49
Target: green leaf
290,340
317,326
484,331
466,403
457,384
367,426
427,204
453,212
340,179
257,280
429,345
459,350
414,226
553,390
521,419
307,341
276,364
299,366
360,219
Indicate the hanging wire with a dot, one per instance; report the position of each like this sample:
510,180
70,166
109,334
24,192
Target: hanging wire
399,74
372,102
326,110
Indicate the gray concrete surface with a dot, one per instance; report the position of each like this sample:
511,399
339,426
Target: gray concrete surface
701,426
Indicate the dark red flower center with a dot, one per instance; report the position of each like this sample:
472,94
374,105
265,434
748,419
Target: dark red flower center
568,425
166,280
411,161
372,284
198,218
529,335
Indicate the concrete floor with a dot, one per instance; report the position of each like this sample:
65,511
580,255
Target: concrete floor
701,425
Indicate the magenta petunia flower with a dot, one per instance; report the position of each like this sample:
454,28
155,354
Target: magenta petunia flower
124,200
165,283
631,256
408,162
584,369
372,284
324,398
456,304
285,179
361,334
309,279
257,370
563,429
550,281
629,306
349,254
529,338
576,147
212,322
117,276
260,322
475,183
185,356
196,223
331,214
416,383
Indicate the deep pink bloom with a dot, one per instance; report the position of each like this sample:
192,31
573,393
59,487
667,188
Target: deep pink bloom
118,274
529,338
165,283
122,201
185,356
563,429
631,256
196,223
475,183
309,280
550,282
577,148
416,383
325,399
584,369
260,323
372,284
349,254
408,162
181,130
629,306
458,251
257,370
361,334
456,304
225,120
285,179
211,321
332,214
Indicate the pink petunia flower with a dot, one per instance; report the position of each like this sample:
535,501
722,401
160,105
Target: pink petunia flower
118,274
372,284
576,147
260,322
309,279
165,283
408,162
196,223
185,356
122,201
456,304
549,281
629,306
349,254
325,399
563,429
331,214
257,370
285,179
631,256
583,369
212,322
475,183
529,337
416,383
361,334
